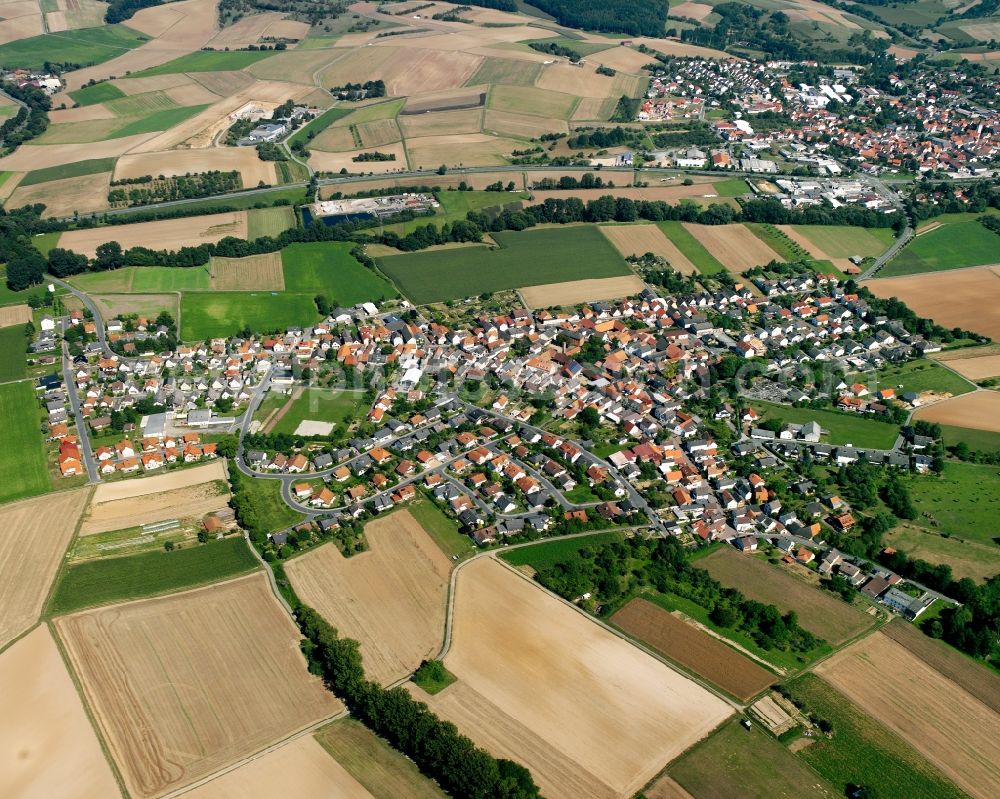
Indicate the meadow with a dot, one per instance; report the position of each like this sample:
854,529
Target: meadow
76,169
82,47
922,375
456,205
527,258
13,356
963,502
843,241
212,314
320,405
328,268
953,245
157,279
269,221
839,428
549,553
100,582
23,465
443,529
98,93
966,558
691,248
977,440
207,61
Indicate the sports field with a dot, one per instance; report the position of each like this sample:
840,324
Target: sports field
838,428
320,405
952,245
528,258
23,469
328,268
225,313
100,582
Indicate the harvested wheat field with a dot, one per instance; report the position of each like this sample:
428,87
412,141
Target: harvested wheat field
695,11
63,197
47,746
302,763
171,163
355,65
702,188
974,367
818,611
20,27
624,59
245,32
377,133
128,489
666,788
979,410
209,676
734,246
561,76
475,180
391,598
85,113
34,535
14,315
192,502
29,157
460,149
954,298
410,72
574,292
440,123
253,273
335,140
951,728
640,239
693,648
165,234
568,689
527,126
153,83
334,162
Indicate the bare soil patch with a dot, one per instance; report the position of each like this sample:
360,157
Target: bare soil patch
209,676
302,763
34,535
171,163
192,503
951,728
979,410
165,234
951,298
47,746
391,598
734,246
640,239
574,292
595,699
819,612
14,315
255,272
693,649
129,489
63,197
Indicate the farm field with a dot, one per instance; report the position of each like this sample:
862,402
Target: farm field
574,292
100,582
975,678
225,313
977,363
47,745
546,554
236,629
13,358
605,732
23,467
155,279
182,478
391,598
962,502
693,649
952,245
527,258
253,273
456,205
691,248
945,724
64,197
321,405
206,61
640,239
162,234
977,411
171,163
269,221
34,535
745,763
734,246
974,439
838,428
966,558
843,241
442,529
383,771
458,149
302,763
819,612
74,170
98,93
329,268
88,46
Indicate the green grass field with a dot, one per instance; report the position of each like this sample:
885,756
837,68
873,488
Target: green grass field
923,375
100,582
580,46
134,105
843,241
269,221
496,71
549,553
964,501
157,279
693,249
320,405
329,268
318,125
268,506
81,47
98,93
207,61
76,169
23,467
774,239
966,558
529,258
746,763
224,313
840,428
978,440
864,752
531,100
158,120
441,528
952,246
8,297
371,113
731,187
13,355
433,677
116,281
379,768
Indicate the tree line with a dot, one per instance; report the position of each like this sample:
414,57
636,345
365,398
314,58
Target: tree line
31,119
121,10
633,17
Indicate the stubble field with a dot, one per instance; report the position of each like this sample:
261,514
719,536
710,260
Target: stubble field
192,502
130,489
590,715
951,728
734,246
34,535
171,163
209,676
979,410
165,234
640,239
693,649
573,292
254,273
391,599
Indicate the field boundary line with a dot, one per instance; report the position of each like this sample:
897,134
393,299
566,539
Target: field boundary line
64,564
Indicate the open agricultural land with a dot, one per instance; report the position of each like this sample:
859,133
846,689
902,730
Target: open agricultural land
23,469
391,599
819,612
234,650
640,239
734,246
951,242
522,259
589,714
965,558
47,744
960,502
575,292
34,534
975,411
161,235
693,649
